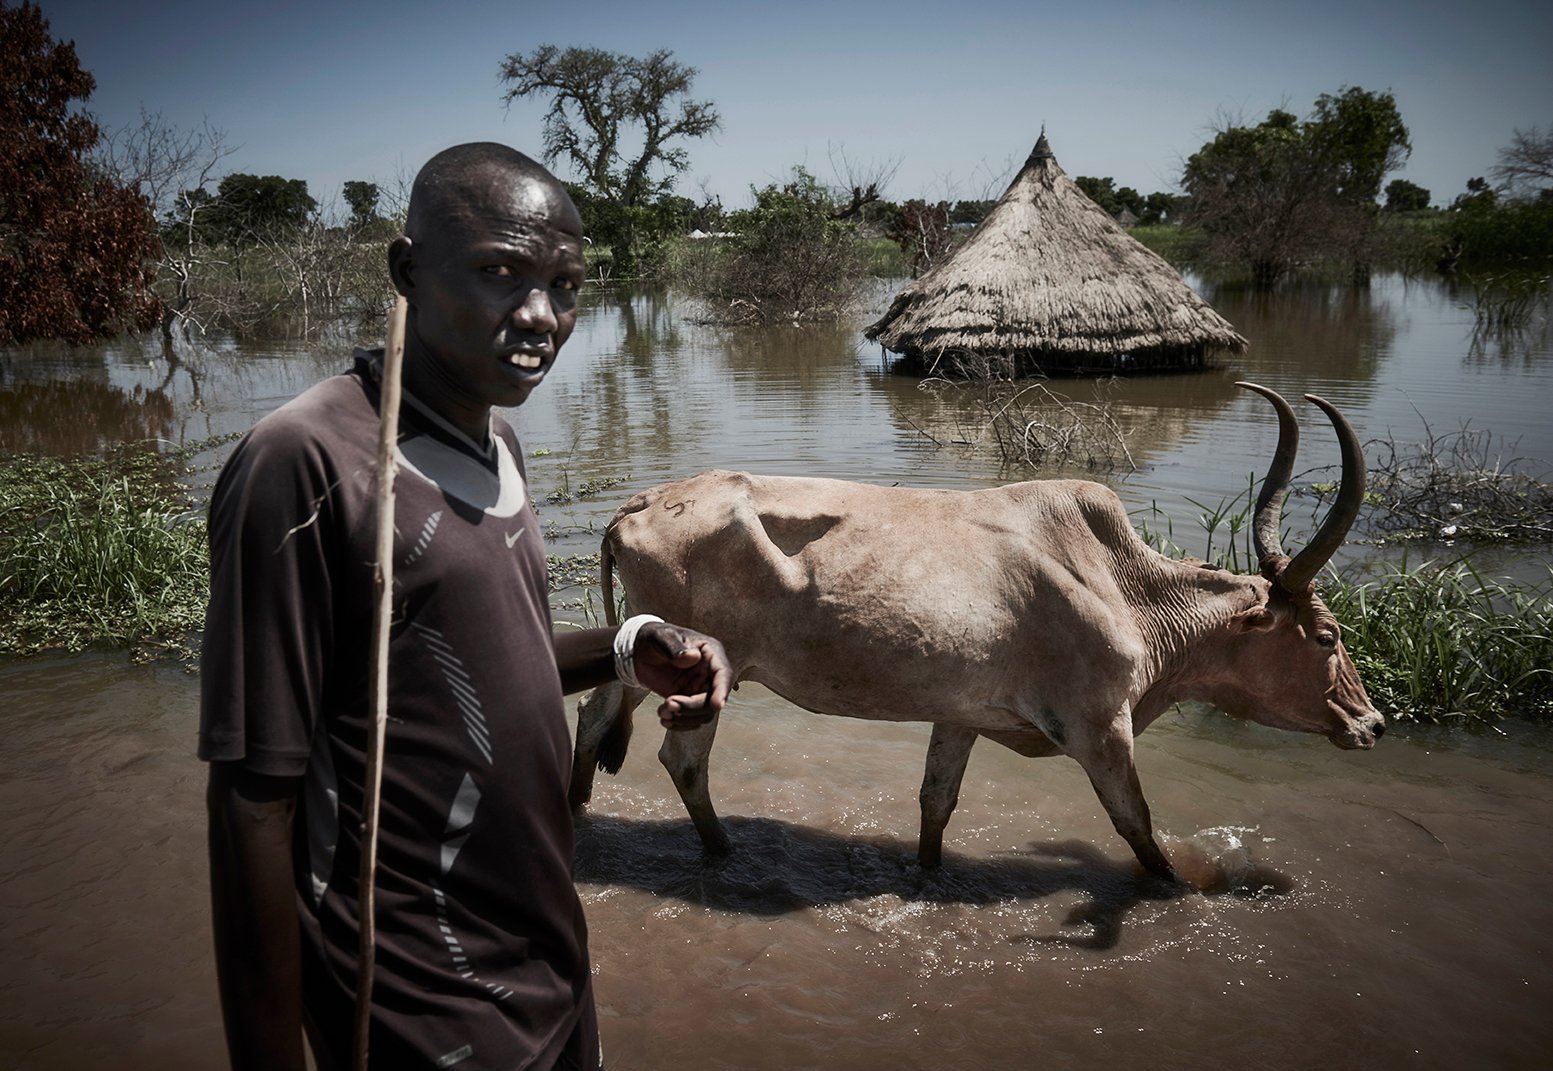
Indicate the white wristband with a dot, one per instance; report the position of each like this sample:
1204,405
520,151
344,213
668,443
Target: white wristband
625,647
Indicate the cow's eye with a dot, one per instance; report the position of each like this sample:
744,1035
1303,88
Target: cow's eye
1326,639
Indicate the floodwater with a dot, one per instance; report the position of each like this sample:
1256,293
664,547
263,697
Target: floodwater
1376,910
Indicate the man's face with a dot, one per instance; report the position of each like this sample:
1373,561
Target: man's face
496,288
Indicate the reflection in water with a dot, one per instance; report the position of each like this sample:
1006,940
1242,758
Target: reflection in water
1335,332
648,326
81,417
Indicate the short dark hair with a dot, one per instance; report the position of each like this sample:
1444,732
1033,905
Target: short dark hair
446,177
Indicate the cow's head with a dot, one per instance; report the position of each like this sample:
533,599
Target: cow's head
1287,656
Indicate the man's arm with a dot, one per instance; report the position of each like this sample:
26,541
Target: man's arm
254,914
689,669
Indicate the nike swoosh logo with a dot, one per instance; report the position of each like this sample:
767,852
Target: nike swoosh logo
513,537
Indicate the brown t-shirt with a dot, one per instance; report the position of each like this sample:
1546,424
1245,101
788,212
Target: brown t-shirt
482,949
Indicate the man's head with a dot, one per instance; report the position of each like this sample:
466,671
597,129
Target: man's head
491,260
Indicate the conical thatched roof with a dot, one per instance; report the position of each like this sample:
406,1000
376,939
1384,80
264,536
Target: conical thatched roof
1050,279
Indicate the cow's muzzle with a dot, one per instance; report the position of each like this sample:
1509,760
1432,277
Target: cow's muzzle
1361,733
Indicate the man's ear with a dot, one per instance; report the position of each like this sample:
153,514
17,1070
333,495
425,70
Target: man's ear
401,265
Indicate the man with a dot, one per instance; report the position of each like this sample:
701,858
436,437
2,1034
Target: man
482,952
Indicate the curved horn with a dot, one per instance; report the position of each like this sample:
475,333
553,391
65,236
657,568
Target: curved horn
1268,518
1308,562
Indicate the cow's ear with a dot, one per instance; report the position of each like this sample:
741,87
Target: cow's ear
1256,619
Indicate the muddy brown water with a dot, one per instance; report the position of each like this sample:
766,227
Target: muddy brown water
1386,909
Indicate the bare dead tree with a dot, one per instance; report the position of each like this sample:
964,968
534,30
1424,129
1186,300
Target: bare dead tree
171,167
1526,164
163,160
857,183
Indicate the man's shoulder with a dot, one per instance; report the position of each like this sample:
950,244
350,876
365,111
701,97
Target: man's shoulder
336,408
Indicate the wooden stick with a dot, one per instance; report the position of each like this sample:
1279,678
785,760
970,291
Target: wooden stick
383,590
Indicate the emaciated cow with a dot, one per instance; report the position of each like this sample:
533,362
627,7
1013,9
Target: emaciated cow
1031,614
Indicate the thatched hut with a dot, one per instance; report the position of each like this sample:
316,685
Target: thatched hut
1050,282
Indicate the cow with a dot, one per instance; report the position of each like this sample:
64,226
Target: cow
1030,614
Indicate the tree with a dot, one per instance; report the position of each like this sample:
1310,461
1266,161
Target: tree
1405,196
600,102
1285,193
1159,207
970,211
1526,164
171,168
77,249
792,260
1359,136
1115,201
248,208
922,231
361,198
1102,191
1480,196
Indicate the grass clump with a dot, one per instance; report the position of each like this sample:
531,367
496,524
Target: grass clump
1440,642
102,549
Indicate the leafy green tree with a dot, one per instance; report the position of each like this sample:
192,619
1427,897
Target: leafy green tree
1102,191
1360,138
792,260
1405,196
252,207
1480,196
1159,207
77,248
361,198
1285,193
600,102
970,211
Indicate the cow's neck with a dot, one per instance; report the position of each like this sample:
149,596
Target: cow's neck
1183,609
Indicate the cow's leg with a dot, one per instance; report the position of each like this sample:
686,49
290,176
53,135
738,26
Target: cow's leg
1107,759
946,757
684,754
606,713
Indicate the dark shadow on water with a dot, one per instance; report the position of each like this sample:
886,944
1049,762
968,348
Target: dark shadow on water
777,867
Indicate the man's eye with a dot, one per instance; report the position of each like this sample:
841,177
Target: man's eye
500,270
563,283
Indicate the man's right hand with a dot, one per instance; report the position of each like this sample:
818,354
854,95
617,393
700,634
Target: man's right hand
254,916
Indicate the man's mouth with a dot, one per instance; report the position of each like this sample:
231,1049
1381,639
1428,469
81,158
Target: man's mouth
527,359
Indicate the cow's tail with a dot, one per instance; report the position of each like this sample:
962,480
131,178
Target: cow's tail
617,738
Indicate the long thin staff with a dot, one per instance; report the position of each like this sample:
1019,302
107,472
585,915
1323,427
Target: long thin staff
383,590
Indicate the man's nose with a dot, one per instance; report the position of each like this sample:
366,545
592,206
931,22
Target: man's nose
535,312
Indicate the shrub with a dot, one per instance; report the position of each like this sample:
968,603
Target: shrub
790,259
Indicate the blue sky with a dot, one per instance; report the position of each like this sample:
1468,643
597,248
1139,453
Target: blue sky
956,92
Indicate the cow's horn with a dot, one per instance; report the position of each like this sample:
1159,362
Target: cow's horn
1268,518
1308,562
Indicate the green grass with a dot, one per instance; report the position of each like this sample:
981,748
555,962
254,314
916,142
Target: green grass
1440,642
107,549
883,259
1181,245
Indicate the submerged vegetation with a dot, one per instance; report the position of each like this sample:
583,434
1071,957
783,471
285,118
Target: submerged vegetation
107,549
791,258
1028,423
1461,486
1440,641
